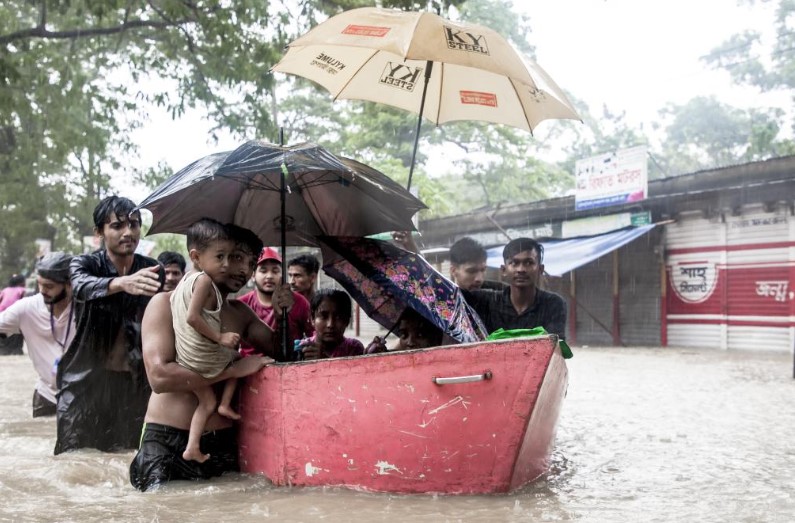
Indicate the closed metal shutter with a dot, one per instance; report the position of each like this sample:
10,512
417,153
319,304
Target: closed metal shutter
639,295
730,280
594,290
639,287
760,287
695,254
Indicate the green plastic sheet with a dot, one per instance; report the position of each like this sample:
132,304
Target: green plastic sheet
502,334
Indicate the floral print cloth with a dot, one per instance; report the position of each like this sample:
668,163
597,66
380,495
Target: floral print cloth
385,279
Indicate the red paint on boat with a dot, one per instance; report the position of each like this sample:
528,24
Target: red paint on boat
380,423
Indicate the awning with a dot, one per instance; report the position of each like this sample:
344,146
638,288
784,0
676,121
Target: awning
562,256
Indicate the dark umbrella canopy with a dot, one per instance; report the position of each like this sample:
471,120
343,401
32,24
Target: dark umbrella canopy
385,280
326,195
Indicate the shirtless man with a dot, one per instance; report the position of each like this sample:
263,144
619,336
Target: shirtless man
172,403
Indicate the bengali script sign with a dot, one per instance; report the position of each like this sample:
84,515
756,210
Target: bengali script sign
611,179
774,289
693,282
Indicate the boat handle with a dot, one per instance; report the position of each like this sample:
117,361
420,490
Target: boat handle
462,379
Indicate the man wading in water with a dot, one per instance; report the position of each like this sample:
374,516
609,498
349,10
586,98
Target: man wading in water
103,389
171,406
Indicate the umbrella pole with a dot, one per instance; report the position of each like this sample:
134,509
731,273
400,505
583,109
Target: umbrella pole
428,69
287,354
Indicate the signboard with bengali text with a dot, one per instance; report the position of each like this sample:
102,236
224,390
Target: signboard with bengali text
611,179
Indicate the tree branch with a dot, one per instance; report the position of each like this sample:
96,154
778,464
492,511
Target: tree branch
42,32
43,17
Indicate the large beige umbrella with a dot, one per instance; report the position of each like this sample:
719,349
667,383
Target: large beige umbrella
445,71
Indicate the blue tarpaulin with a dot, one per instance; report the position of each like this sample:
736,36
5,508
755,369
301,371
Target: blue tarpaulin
562,256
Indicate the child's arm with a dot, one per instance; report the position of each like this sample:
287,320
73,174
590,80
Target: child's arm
203,297
162,370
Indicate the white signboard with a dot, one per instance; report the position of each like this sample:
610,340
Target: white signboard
611,179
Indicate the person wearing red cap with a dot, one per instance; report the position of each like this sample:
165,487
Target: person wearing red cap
266,278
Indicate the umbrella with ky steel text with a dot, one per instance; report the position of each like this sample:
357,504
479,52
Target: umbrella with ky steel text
420,62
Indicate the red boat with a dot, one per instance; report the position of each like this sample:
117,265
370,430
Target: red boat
462,419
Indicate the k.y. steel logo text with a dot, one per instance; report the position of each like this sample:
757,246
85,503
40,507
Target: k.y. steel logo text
400,75
465,41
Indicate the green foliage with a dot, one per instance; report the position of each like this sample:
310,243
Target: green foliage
704,133
749,63
76,78
745,59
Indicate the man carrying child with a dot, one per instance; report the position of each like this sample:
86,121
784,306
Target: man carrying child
173,401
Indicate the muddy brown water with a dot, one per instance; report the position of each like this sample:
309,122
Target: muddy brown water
645,435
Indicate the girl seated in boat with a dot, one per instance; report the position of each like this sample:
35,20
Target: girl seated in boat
414,332
331,315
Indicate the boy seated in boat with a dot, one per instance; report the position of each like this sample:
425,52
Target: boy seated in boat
414,332
331,315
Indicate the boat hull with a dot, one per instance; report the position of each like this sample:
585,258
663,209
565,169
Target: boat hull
380,422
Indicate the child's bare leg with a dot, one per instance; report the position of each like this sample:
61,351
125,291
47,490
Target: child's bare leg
204,409
225,408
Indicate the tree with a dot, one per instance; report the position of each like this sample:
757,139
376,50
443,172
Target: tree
76,77
70,77
705,133
749,62
746,60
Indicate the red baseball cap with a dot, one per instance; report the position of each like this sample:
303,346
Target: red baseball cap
269,254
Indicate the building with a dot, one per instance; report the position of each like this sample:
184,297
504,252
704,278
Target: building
710,259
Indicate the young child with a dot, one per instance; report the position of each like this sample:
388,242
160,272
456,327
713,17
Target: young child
331,315
414,332
201,344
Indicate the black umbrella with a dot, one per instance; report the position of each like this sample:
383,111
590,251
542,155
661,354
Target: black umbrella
287,195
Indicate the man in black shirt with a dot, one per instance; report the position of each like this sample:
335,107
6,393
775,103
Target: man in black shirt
103,390
522,305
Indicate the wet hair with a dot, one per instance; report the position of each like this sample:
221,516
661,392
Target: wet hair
167,258
205,231
339,298
518,245
310,264
428,329
245,238
54,266
16,280
118,205
467,250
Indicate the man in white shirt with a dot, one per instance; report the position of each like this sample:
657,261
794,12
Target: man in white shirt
46,321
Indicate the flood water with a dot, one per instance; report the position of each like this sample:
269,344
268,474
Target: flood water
645,435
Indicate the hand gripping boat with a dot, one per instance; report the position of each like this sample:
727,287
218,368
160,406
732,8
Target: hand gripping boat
462,419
